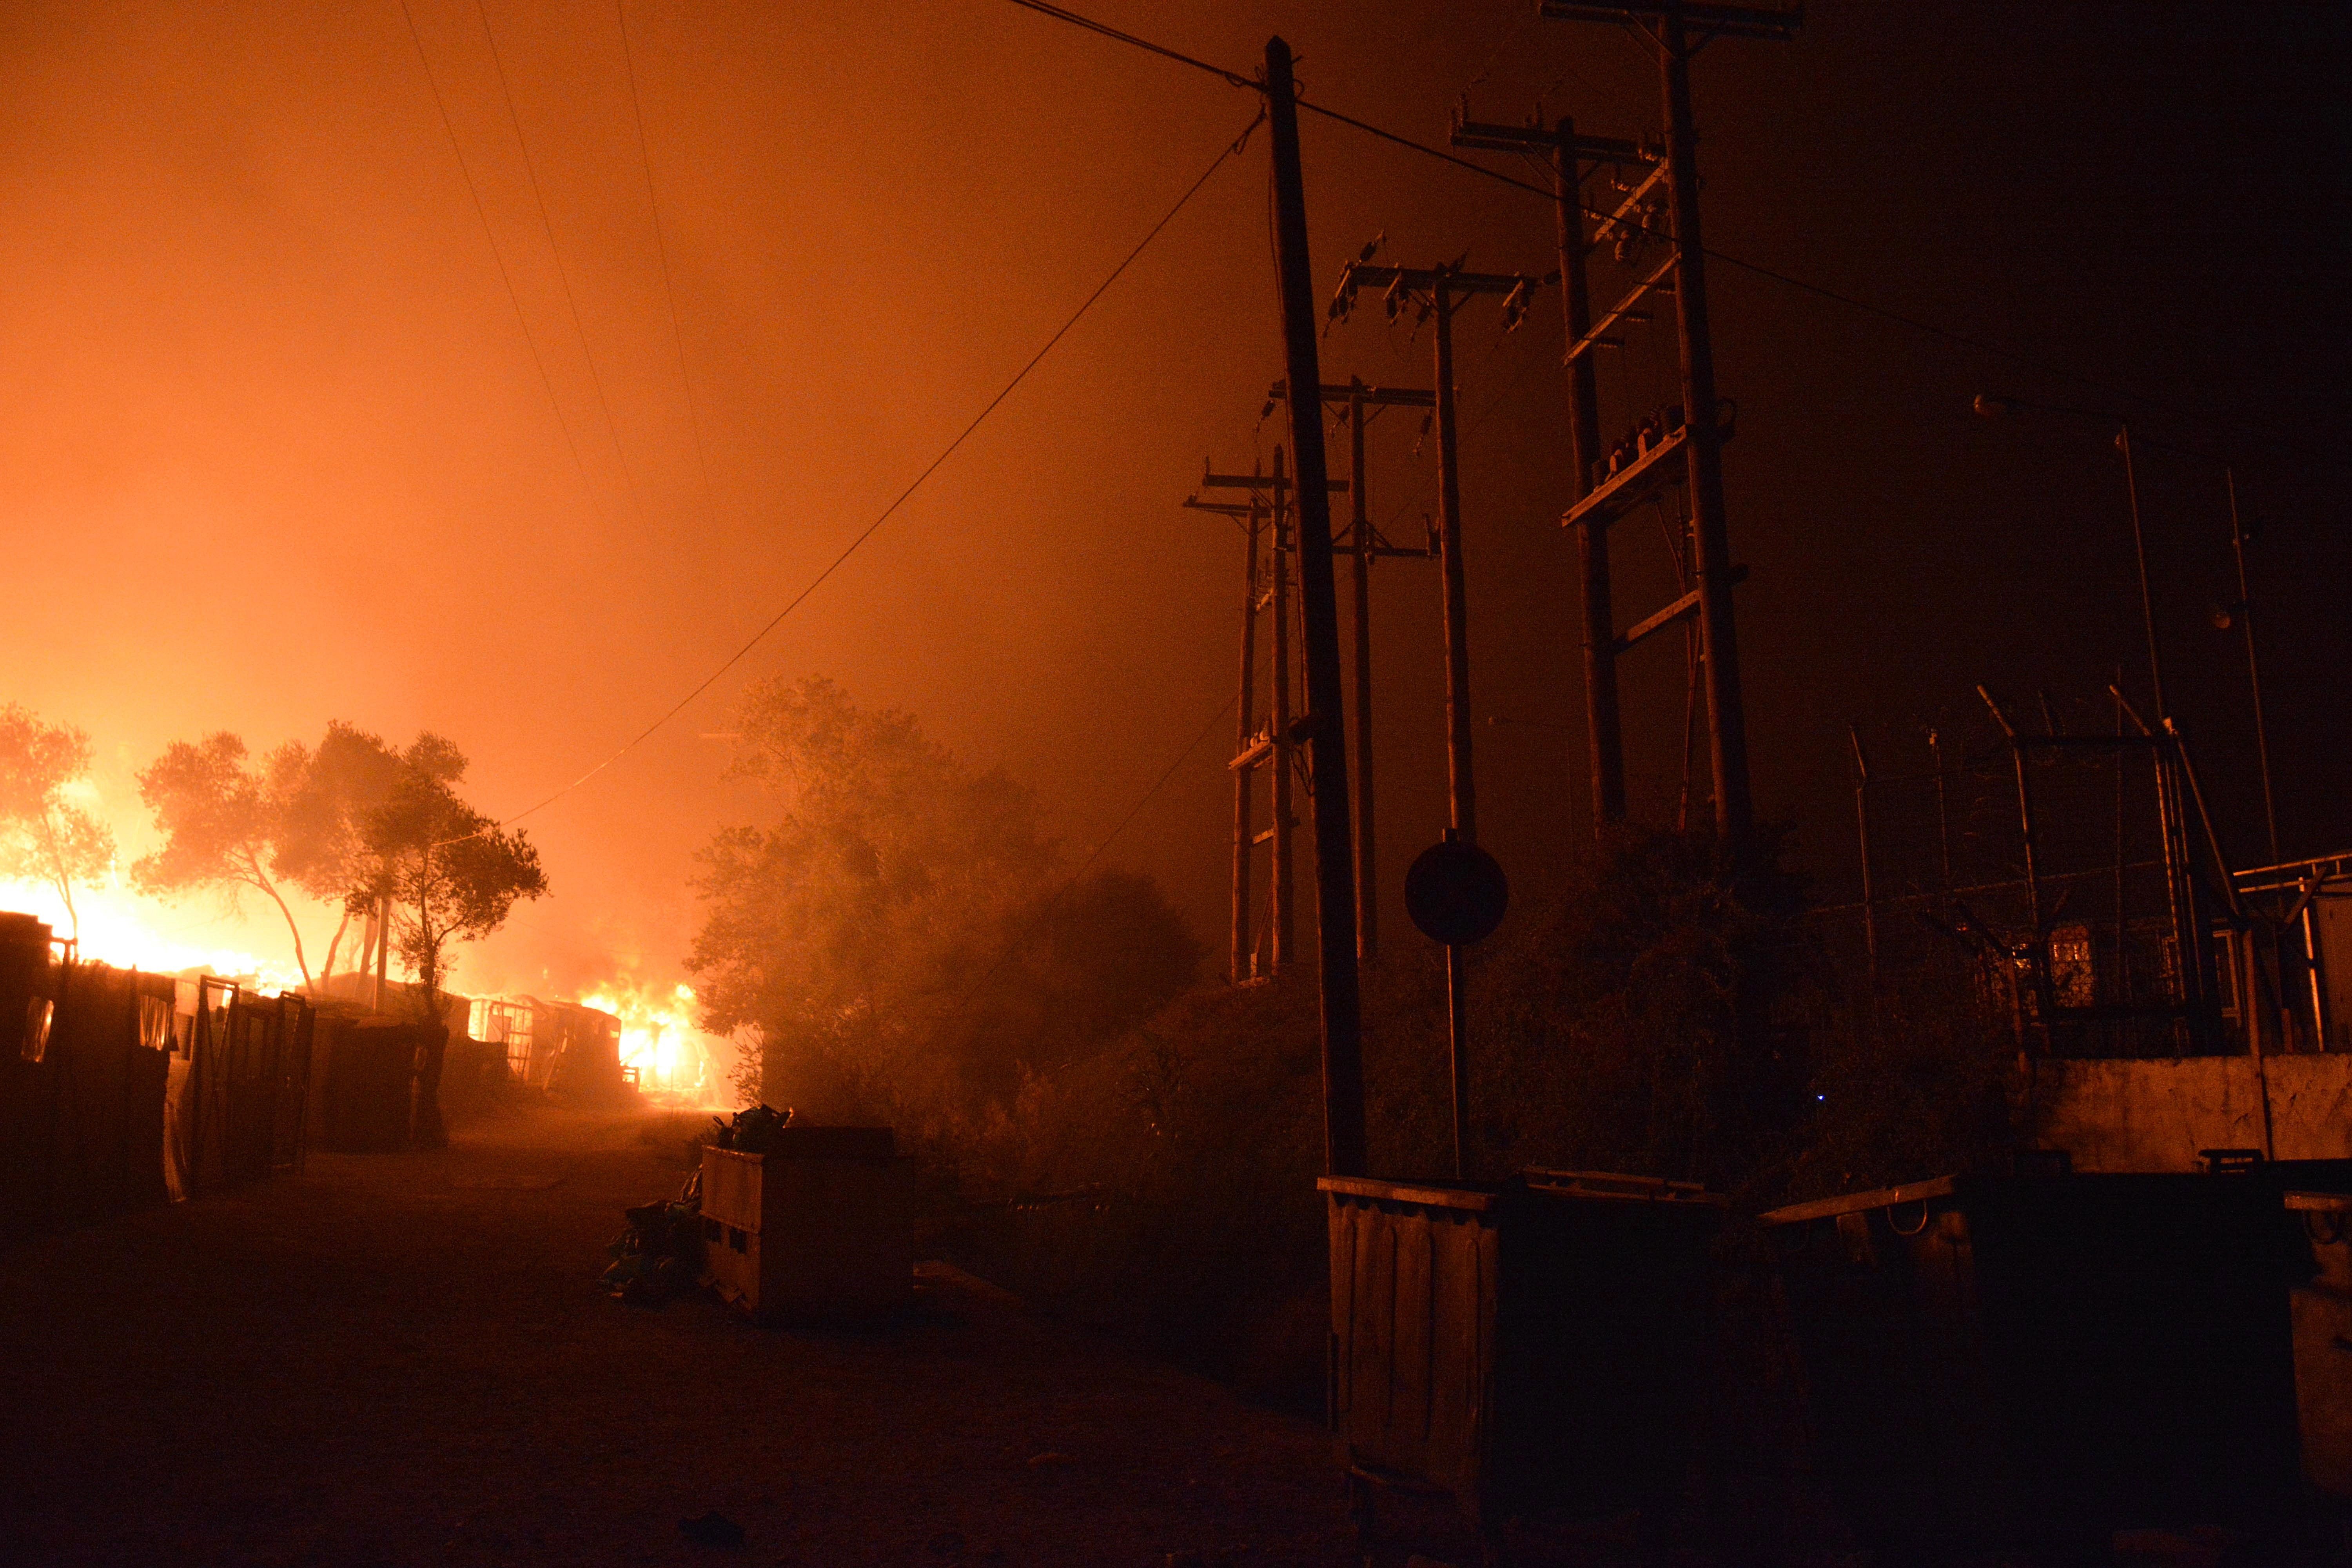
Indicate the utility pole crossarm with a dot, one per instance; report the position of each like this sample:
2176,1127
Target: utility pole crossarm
1776,23
1623,211
1534,139
1214,481
1370,396
1688,604
1620,311
1622,491
1380,547
1357,274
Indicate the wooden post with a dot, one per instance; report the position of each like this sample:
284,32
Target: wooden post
1335,902
1461,789
1277,758
1245,823
383,947
1360,569
1458,1036
1604,723
1726,726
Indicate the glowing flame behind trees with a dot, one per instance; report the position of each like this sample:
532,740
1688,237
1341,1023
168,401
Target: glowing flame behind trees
451,874
901,939
328,795
222,823
44,837
354,823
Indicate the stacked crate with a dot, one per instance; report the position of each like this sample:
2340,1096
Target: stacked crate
819,1228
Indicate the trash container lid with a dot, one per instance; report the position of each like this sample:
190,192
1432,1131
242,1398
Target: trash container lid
1617,1187
2320,1202
1852,1203
1477,1198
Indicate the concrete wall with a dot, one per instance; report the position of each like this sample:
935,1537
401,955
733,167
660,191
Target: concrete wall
2155,1115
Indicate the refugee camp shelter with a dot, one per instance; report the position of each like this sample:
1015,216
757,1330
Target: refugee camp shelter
119,1088
564,1048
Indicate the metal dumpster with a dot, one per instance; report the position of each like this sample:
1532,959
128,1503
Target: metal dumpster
2323,1346
1529,1347
2041,1360
818,1229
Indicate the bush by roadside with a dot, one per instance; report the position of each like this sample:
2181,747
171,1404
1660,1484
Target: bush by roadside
1665,1017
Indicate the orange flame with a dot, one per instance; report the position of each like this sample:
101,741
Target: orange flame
120,926
658,1038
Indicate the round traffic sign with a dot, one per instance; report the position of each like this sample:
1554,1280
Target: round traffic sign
1456,893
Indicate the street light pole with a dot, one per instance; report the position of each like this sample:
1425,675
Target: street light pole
2139,556
2253,667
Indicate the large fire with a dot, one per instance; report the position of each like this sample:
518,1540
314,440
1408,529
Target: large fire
124,929
658,1038
674,1059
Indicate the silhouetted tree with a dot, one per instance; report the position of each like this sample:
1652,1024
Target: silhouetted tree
451,874
222,821
44,836
892,937
322,806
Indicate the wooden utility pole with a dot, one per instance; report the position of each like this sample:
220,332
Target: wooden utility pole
1335,900
2244,611
1604,728
1244,955
1269,746
1286,882
1726,735
1359,572
1461,784
1677,28
1437,288
1363,545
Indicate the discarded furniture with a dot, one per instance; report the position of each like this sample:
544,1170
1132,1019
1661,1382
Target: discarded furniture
1998,1361
818,1229
1531,1347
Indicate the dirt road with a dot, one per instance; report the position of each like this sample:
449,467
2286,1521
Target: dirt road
404,1359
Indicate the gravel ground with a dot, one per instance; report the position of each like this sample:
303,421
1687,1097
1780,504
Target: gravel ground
404,1359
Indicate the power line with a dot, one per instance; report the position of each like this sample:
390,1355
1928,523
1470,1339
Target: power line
1959,339
1061,13
496,255
661,246
563,273
1230,150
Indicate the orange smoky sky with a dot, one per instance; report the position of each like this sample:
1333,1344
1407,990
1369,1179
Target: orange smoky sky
298,422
